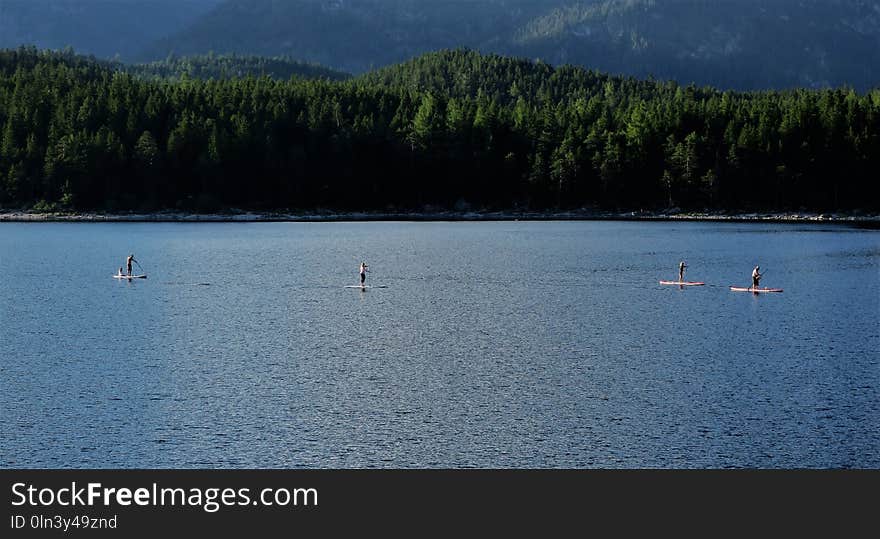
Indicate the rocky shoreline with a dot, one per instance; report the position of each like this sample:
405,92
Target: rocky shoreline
331,216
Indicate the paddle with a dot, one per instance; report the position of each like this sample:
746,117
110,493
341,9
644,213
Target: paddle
139,265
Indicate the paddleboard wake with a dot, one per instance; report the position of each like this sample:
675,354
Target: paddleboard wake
129,276
754,290
683,283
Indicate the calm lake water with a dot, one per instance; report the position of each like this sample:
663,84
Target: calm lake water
494,345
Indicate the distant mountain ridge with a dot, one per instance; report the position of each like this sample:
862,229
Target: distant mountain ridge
729,44
351,35
738,44
104,28
748,44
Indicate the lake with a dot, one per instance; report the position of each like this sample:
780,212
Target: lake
492,345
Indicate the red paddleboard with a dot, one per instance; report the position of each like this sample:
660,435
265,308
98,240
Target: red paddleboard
755,290
683,283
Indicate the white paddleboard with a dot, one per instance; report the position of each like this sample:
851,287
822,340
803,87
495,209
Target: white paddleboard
129,276
754,290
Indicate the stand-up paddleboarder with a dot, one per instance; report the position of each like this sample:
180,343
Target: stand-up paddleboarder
363,272
756,277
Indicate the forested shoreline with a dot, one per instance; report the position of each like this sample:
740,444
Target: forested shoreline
450,130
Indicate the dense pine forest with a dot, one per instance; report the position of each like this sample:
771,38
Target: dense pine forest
452,129
231,66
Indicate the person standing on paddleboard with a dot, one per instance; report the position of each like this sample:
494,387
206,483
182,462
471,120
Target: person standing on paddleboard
128,262
681,266
756,276
363,271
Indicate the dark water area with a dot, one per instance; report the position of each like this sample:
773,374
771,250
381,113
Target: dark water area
493,345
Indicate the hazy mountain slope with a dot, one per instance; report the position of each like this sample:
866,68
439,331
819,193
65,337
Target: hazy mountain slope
353,35
740,44
100,27
734,43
